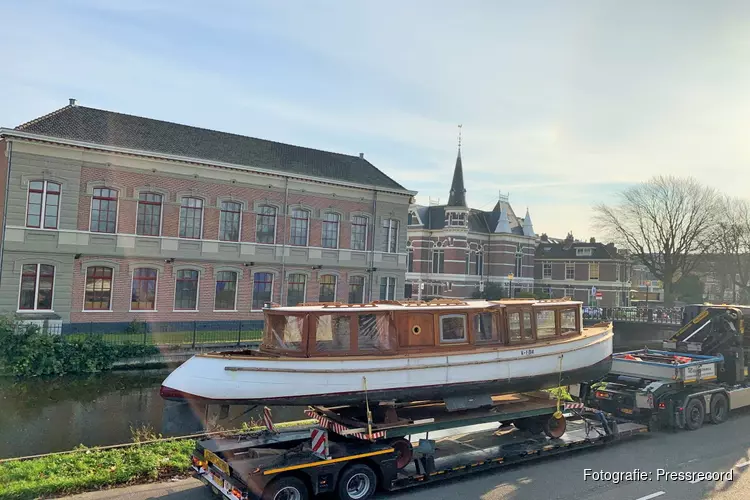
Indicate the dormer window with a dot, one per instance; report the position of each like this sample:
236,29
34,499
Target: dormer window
456,219
412,219
584,252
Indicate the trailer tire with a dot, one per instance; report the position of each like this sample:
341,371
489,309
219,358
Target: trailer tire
286,488
719,408
357,482
694,413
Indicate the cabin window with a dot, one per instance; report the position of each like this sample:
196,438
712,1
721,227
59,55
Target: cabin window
286,332
545,324
484,328
514,327
333,333
528,331
568,321
453,328
373,332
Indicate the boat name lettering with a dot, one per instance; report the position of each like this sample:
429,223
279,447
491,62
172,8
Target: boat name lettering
527,352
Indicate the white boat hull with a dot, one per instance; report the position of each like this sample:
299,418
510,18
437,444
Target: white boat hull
238,379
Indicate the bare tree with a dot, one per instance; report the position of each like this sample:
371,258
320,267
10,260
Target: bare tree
666,223
731,238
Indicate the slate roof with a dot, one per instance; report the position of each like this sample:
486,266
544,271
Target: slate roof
457,196
480,221
108,128
550,250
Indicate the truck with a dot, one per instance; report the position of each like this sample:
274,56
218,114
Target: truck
700,375
347,455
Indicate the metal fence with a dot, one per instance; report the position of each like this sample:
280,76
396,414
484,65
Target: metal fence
663,315
182,333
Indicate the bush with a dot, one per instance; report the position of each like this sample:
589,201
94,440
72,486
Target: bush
27,351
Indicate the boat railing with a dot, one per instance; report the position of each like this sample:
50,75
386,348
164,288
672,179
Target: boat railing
326,305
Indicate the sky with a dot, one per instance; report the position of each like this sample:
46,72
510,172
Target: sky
563,104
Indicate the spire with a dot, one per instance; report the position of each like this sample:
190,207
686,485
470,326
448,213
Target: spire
503,226
458,192
528,226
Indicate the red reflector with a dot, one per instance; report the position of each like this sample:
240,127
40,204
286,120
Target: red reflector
602,395
679,409
662,405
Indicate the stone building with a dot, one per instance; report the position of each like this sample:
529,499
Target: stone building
454,250
114,218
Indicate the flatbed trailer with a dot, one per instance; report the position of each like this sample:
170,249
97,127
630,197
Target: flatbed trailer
302,463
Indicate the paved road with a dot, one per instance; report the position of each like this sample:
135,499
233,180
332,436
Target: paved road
711,449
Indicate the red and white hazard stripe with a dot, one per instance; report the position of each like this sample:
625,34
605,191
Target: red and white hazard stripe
267,419
578,406
318,439
342,429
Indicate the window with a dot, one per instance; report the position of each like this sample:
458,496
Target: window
387,288
265,231
356,289
285,332
331,230
333,333
468,263
484,328
43,201
327,288
479,264
545,324
410,260
582,252
546,270
514,326
143,291
149,214
37,284
262,290
229,221
296,290
98,294
300,222
438,261
528,331
104,210
456,219
359,232
617,272
373,332
191,218
452,328
186,290
519,263
570,271
226,291
593,270
568,321
390,235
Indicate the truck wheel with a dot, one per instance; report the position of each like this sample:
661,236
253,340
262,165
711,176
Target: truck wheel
404,450
555,427
695,414
286,488
719,408
357,482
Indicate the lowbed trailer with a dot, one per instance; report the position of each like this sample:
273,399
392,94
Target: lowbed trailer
334,458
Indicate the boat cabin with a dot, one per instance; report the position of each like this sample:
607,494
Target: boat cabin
386,328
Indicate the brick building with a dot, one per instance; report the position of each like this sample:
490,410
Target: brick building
115,218
454,250
573,268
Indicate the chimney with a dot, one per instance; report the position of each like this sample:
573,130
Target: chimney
362,155
592,240
72,102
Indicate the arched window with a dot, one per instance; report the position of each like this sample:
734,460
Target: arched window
98,293
262,290
143,289
299,227
226,291
186,290
327,288
296,289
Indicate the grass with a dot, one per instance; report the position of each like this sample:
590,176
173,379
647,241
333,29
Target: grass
179,338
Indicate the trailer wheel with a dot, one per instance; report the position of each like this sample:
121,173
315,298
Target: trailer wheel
286,488
404,451
555,427
719,408
695,414
357,482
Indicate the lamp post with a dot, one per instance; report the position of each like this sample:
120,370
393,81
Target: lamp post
510,285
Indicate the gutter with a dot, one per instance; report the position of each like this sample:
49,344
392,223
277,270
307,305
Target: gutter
370,271
9,151
184,159
283,244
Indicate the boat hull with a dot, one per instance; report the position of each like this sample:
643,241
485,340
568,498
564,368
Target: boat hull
248,380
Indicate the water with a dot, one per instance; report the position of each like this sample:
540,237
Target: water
47,415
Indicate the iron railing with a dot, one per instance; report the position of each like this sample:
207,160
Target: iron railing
662,315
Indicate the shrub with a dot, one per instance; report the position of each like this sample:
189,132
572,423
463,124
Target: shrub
28,351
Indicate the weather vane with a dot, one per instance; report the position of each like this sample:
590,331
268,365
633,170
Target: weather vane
459,135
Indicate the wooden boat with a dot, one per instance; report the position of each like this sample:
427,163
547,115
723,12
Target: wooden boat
399,351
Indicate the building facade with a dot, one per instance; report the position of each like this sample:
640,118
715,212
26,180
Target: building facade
114,218
456,251
581,270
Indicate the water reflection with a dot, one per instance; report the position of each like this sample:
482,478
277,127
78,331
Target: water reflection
46,415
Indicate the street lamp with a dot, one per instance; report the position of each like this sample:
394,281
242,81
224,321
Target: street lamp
510,285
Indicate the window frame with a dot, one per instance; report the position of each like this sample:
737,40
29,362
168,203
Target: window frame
584,252
545,266
44,192
555,322
94,197
177,279
350,285
289,283
390,228
438,252
464,340
260,216
598,270
111,288
521,311
388,287
570,265
325,241
577,319
202,209
216,289
270,292
410,260
292,219
222,219
479,263
156,288
496,333
160,204
364,224
37,279
321,284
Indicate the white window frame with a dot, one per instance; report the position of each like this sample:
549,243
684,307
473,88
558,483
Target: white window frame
584,252
617,272
389,288
36,289
197,291
598,270
433,252
389,234
44,206
236,288
568,265
156,291
455,341
545,266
